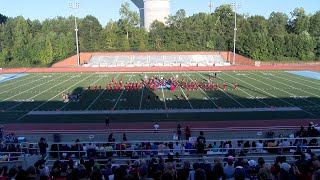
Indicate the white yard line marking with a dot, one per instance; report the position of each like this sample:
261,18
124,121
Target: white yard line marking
262,90
248,93
296,82
99,95
296,76
287,91
279,98
141,98
203,92
121,93
184,94
80,93
41,92
164,99
225,92
21,85
32,88
4,85
55,96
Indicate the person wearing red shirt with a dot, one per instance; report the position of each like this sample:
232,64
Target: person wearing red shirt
235,86
224,86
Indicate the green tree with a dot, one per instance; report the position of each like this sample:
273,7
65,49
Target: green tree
89,34
129,19
315,25
305,46
299,22
21,38
48,51
109,36
3,19
157,36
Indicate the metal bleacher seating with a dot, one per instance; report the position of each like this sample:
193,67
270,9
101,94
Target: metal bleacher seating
101,153
156,61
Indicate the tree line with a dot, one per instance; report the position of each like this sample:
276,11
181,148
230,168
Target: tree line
30,43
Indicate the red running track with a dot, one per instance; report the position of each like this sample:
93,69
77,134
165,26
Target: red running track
164,125
156,69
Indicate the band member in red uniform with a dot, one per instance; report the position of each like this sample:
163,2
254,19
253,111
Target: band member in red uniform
88,88
95,87
99,88
235,86
224,86
217,86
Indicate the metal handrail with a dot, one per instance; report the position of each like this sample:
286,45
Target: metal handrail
99,131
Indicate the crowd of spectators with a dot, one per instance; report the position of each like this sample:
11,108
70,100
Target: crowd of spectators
163,160
230,168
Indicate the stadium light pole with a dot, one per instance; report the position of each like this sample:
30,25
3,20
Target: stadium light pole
210,6
75,6
235,6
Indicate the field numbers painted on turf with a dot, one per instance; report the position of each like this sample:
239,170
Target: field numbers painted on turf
267,74
122,100
24,100
187,75
256,97
299,97
46,76
100,76
213,98
241,74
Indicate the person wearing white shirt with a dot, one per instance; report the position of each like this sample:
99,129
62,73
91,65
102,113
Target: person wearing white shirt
259,146
177,148
156,127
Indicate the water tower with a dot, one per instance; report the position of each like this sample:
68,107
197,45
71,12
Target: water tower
151,10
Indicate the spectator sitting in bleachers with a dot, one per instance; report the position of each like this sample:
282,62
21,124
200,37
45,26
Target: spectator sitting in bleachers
154,148
183,173
259,146
229,169
177,148
272,144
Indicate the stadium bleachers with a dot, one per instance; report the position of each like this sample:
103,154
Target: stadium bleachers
156,61
252,154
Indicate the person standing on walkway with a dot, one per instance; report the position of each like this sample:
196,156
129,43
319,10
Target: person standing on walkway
107,122
156,127
43,147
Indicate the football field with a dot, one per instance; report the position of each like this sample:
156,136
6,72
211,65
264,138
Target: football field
260,95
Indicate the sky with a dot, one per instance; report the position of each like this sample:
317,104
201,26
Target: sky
105,10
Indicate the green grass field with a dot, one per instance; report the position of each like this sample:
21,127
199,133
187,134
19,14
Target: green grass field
270,90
